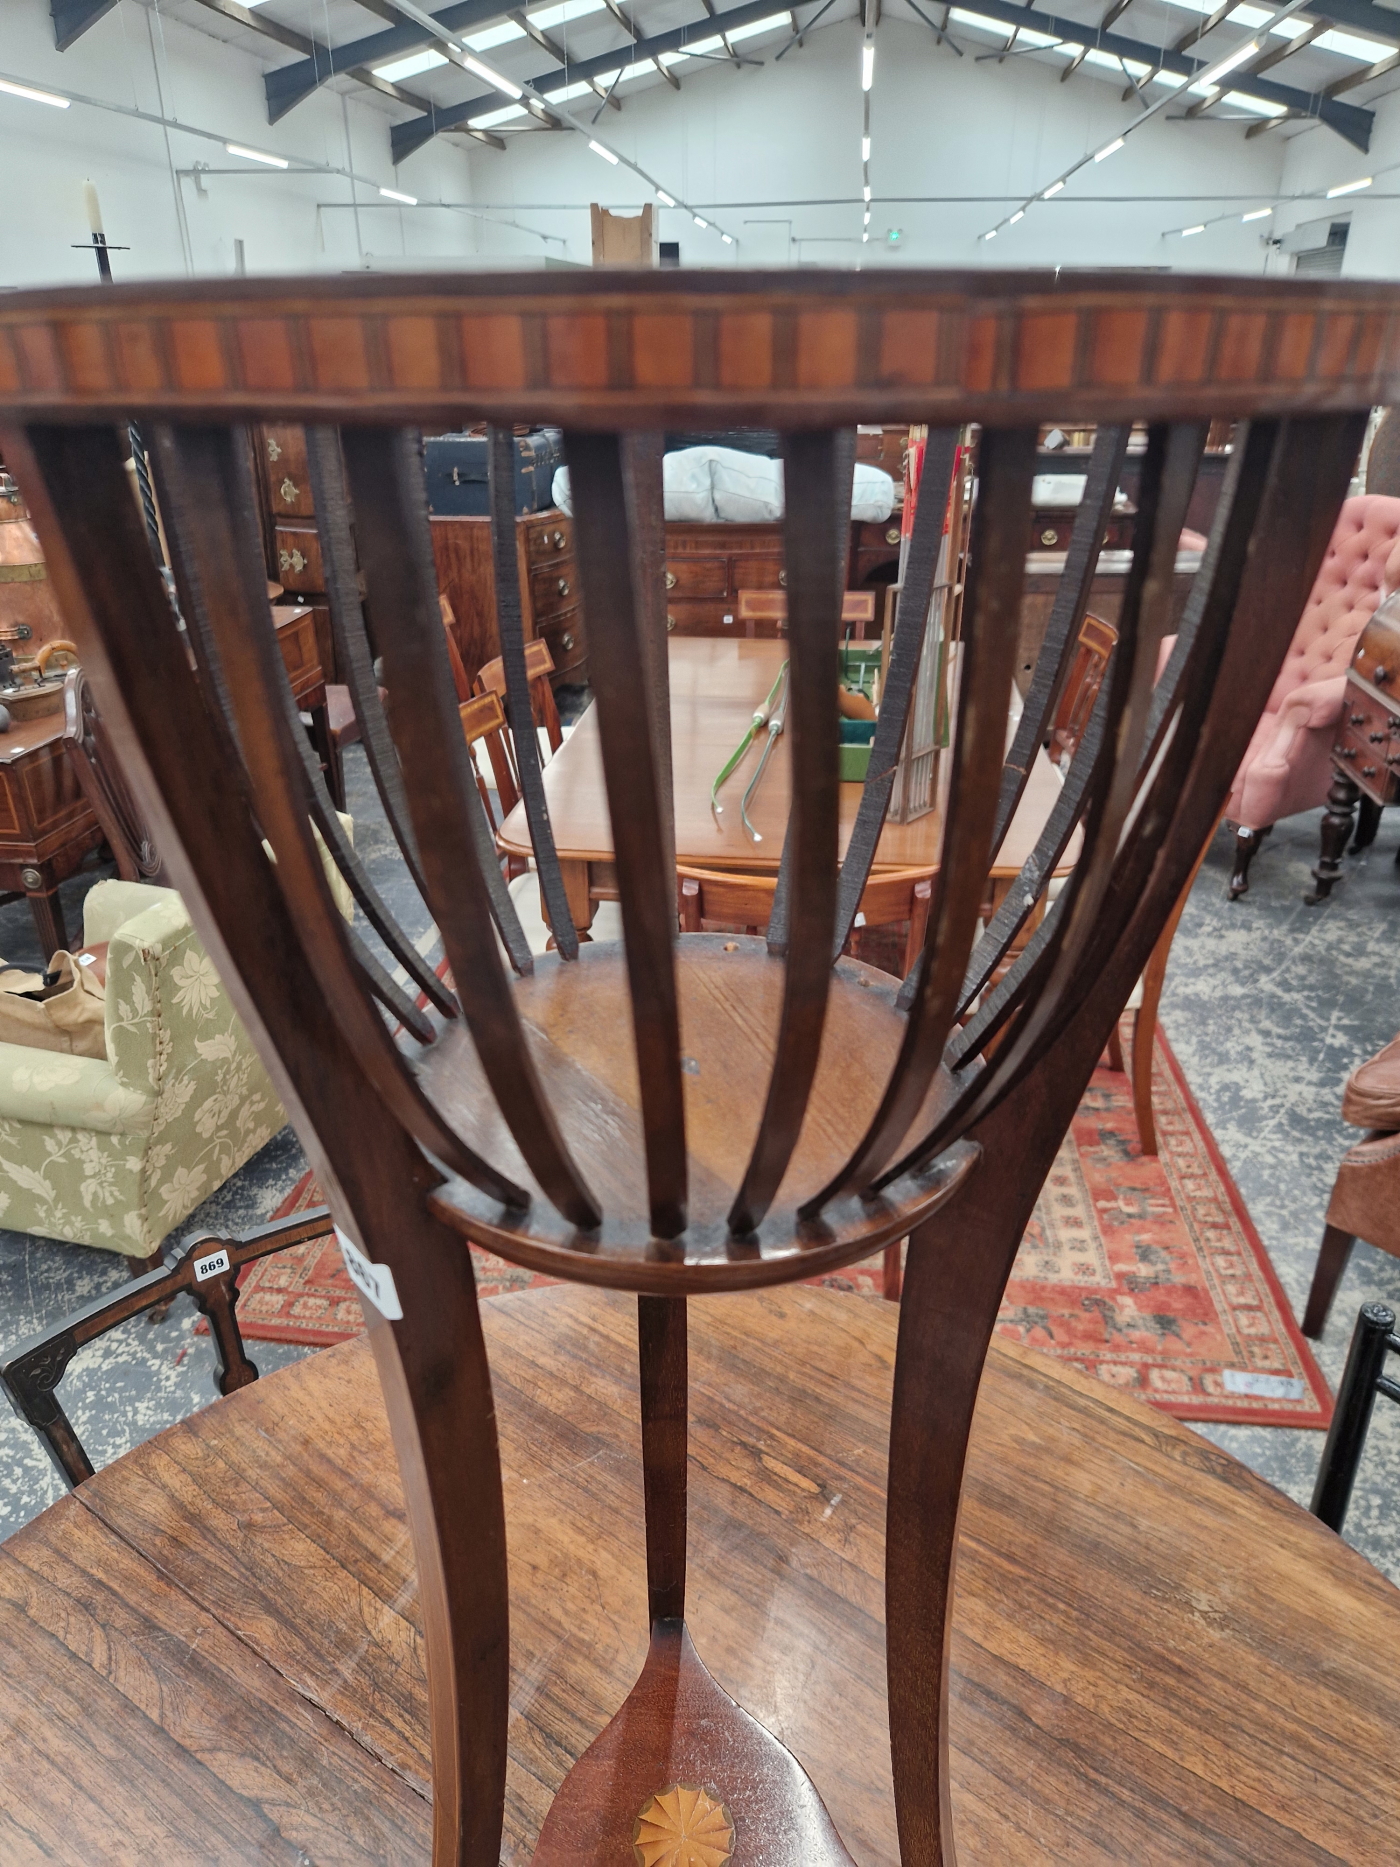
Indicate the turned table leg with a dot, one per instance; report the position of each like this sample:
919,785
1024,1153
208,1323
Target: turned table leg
1336,833
47,910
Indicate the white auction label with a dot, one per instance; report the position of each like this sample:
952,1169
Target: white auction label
211,1266
376,1281
1261,1386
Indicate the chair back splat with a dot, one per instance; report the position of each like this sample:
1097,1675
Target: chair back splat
681,1114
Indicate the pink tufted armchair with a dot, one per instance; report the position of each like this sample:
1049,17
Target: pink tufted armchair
1287,766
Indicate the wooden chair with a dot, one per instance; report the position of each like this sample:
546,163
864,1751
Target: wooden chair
814,1115
539,665
1097,640
710,899
93,760
207,1268
766,611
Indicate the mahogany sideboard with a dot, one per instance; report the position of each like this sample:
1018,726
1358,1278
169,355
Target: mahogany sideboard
46,823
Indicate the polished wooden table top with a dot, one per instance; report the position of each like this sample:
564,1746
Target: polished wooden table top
211,1651
715,687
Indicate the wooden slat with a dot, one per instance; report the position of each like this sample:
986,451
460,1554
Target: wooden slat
642,455
631,770
353,657
519,704
218,519
817,471
386,483
165,457
996,570
1066,616
897,684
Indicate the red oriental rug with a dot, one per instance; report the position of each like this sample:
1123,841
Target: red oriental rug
1145,1273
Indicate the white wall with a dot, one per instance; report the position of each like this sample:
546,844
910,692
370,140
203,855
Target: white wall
133,57
939,126
731,141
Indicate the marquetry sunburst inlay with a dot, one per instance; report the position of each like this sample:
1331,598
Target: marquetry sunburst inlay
683,1827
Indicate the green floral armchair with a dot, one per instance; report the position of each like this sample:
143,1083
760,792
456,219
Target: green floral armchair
116,1151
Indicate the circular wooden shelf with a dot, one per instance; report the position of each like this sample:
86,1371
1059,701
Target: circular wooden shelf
578,1019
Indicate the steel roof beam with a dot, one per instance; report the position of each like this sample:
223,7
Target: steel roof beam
71,18
1348,120
404,138
290,85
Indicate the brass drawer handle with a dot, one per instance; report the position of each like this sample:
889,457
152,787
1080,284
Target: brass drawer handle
274,452
1049,537
292,560
563,586
892,535
559,541
290,491
670,624
670,580
782,580
566,640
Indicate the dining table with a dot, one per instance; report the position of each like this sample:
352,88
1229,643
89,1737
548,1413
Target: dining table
715,686
212,1650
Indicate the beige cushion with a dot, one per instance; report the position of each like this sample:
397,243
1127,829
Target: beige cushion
70,1017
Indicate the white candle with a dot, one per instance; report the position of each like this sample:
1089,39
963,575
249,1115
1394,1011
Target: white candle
94,212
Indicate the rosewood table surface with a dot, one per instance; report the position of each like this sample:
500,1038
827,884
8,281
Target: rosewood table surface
211,1651
715,687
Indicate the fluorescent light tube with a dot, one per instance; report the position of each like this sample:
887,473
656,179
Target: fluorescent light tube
257,155
867,67
1237,57
35,97
990,236
1349,187
867,191
1260,213
392,194
699,223
606,154
664,198
493,77
1186,232
1053,189
865,148
728,238
1020,214
1109,149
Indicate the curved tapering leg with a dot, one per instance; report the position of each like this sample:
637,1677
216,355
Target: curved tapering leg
955,1274
1368,822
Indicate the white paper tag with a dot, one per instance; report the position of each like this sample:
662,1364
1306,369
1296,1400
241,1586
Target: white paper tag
211,1266
1262,1386
376,1281
87,959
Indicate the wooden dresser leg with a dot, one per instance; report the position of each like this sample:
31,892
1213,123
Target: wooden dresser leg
1246,849
1336,833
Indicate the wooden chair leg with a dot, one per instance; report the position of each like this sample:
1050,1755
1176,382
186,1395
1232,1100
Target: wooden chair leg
894,1271
1336,833
1332,1260
1115,1050
1246,848
1154,976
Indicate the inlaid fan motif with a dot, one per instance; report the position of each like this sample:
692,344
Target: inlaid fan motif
683,1827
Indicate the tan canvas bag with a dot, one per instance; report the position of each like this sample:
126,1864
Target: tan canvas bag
67,1016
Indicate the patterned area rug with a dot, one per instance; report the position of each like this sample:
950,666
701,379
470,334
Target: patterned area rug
1146,1273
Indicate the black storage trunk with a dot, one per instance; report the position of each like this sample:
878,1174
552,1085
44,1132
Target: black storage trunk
457,475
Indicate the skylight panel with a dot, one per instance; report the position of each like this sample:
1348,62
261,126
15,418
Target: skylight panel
409,67
773,23
566,91
1257,106
501,34
506,115
550,16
